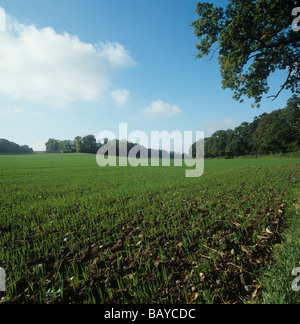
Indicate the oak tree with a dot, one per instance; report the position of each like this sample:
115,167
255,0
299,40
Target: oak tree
253,38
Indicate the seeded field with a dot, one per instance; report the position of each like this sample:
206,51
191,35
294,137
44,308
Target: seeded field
72,232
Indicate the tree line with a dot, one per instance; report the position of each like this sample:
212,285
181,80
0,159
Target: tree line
7,147
86,144
89,144
276,132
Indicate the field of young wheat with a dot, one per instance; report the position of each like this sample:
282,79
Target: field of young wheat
72,232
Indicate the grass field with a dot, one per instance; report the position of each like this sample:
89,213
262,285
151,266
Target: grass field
72,232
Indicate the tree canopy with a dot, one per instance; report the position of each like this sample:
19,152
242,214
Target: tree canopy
254,38
89,144
86,144
8,147
277,132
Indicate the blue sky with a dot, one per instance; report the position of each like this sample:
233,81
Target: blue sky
77,67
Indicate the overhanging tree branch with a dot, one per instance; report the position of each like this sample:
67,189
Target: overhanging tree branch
283,86
256,36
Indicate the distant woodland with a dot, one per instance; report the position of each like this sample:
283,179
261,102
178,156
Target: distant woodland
7,147
277,132
88,144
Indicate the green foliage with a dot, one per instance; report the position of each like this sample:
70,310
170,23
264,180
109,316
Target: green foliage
85,144
254,38
88,144
277,132
8,147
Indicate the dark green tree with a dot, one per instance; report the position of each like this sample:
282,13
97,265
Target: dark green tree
88,144
293,120
218,146
8,147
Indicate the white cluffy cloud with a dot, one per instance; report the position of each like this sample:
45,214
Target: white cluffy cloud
41,66
120,97
159,109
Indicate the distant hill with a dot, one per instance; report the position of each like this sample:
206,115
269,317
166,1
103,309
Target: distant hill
7,147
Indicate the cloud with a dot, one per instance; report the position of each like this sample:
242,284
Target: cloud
10,110
2,20
159,109
213,126
115,54
120,97
41,66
